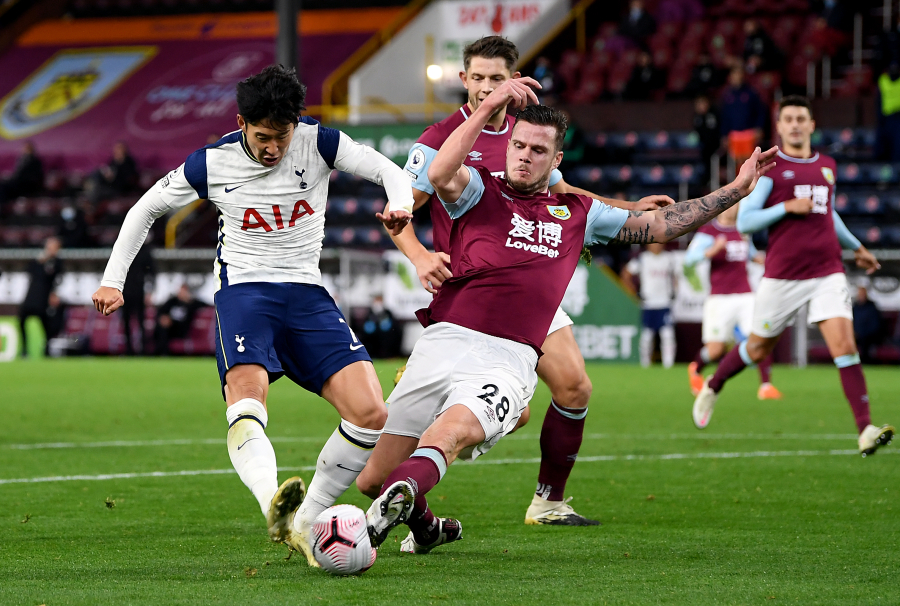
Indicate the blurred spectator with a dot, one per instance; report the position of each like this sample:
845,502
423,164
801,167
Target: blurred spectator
174,317
546,76
44,272
212,138
117,178
704,77
638,25
741,108
887,139
138,284
380,333
56,317
573,145
888,49
680,11
645,79
867,325
27,178
706,125
760,52
833,27
72,227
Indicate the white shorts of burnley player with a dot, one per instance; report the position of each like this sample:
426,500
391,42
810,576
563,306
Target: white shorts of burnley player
810,274
269,182
475,406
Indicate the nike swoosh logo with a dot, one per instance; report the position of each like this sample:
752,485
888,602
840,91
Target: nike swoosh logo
245,443
348,469
355,348
228,191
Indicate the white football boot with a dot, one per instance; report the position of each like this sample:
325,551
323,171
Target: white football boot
389,510
703,406
873,437
555,513
450,531
286,501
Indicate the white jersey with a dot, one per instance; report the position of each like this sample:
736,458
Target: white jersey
657,274
271,218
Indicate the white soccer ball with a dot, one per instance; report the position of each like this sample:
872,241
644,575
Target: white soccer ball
341,540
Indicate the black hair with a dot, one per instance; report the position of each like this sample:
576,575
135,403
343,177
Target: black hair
543,115
492,47
274,95
795,101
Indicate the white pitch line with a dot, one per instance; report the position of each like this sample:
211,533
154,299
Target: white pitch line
594,459
517,436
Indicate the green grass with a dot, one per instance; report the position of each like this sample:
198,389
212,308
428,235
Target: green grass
796,528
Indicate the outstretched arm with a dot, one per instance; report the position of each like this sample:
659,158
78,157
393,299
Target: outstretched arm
864,259
447,173
645,203
673,221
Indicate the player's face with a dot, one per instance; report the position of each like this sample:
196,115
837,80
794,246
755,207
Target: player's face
530,157
482,77
266,141
795,126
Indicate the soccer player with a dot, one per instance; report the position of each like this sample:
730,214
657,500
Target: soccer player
658,273
803,266
728,310
269,181
488,63
513,248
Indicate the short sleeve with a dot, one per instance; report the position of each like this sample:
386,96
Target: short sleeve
634,266
469,197
603,223
417,163
555,177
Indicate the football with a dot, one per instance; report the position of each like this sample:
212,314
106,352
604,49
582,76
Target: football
341,540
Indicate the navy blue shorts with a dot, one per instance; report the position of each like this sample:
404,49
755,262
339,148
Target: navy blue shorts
654,319
290,329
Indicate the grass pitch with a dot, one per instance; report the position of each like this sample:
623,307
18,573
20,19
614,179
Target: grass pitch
766,506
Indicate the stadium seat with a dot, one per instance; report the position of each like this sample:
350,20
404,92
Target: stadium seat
588,91
650,175
678,78
765,84
201,340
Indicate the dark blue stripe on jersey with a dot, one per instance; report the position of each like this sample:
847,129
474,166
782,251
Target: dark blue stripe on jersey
223,266
235,137
327,142
195,172
354,441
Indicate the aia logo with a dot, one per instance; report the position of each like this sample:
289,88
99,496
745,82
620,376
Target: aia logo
253,219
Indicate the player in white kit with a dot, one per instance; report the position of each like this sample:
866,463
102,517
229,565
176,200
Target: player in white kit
658,271
269,182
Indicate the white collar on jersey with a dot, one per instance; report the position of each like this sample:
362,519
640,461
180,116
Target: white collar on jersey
784,156
724,227
502,131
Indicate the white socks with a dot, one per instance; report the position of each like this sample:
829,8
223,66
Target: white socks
251,451
342,458
645,346
667,345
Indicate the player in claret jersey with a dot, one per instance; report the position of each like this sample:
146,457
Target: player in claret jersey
803,267
269,182
514,247
488,63
728,310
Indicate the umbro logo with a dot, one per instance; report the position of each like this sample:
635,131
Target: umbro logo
788,174
228,191
507,197
475,156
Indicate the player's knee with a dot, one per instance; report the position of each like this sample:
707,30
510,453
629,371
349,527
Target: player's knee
242,389
369,482
371,417
576,393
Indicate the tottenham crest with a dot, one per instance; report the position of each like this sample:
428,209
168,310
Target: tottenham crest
69,84
828,174
560,212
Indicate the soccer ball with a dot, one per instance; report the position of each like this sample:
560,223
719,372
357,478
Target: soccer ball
341,540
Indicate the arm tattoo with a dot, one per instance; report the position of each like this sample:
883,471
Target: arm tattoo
686,216
641,235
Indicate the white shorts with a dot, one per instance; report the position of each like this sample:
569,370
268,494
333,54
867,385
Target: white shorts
723,313
560,320
494,378
778,301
